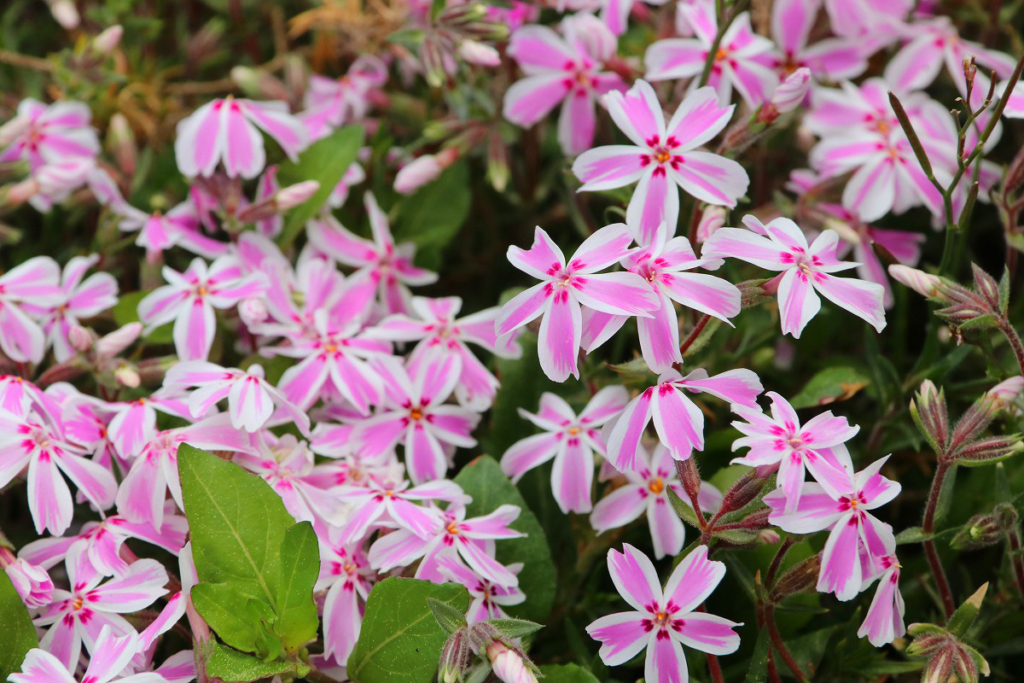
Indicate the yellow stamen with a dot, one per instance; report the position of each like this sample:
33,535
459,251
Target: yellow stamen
657,486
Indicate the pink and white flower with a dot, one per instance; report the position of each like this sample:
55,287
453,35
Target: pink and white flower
567,286
80,297
46,134
35,283
842,505
806,271
665,265
884,620
388,504
227,131
333,102
743,60
780,440
31,582
189,299
663,620
346,576
646,492
111,656
80,614
471,539
486,598
677,419
830,59
251,399
571,440
414,413
663,158
562,70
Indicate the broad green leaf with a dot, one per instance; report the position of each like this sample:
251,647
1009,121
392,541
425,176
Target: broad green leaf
237,524
126,310
432,216
17,634
400,640
325,161
830,385
300,563
487,484
232,666
237,617
566,673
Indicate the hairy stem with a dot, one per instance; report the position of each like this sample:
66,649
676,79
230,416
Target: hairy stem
694,333
1014,339
1016,559
780,646
928,526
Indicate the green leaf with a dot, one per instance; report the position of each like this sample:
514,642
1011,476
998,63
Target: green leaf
988,321
400,640
126,310
236,521
566,673
431,217
324,161
757,672
683,509
232,666
237,617
17,633
945,501
830,385
914,534
966,613
300,564
487,484
448,618
1004,291
515,628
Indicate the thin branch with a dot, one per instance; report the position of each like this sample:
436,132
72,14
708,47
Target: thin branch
26,62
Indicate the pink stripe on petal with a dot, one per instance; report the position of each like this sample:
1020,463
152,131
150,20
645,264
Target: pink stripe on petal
840,566
709,633
558,343
634,577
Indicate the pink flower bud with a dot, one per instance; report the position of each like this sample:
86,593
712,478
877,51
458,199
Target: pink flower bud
417,173
107,41
293,195
478,53
792,91
60,178
65,13
1007,391
117,341
507,665
81,339
917,280
19,193
32,583
128,376
711,220
252,311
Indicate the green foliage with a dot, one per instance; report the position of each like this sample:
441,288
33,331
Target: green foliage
400,639
432,216
17,634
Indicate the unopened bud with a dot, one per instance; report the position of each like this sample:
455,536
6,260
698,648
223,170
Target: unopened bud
252,311
454,658
1006,392
128,376
65,13
800,578
107,41
792,91
121,141
917,280
81,339
478,53
689,476
462,14
985,530
508,665
293,195
259,83
970,71
19,193
32,583
117,341
768,537
711,220
417,173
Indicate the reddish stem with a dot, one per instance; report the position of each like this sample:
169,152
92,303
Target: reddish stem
780,646
694,333
928,526
1017,560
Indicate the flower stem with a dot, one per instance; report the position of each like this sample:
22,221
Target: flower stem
780,646
1017,559
694,333
1014,339
928,526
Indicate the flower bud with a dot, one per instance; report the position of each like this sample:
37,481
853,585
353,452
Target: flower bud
478,53
508,665
252,311
710,221
792,91
768,537
128,376
121,141
117,341
454,658
32,583
417,173
917,280
65,13
81,339
928,409
293,195
107,41
985,530
19,193
1006,392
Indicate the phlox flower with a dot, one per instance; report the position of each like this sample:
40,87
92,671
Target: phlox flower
80,297
435,327
103,541
677,419
390,266
665,265
875,23
565,287
646,493
34,283
414,413
743,60
663,158
346,576
111,656
829,59
389,504
31,582
562,70
189,299
806,271
35,440
354,175
79,615
486,598
842,505
154,472
615,13
780,440
333,102
251,398
227,131
131,426
571,440
663,620
45,134
883,622
470,539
